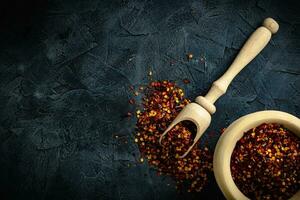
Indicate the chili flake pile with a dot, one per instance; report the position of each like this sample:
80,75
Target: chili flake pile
161,103
265,163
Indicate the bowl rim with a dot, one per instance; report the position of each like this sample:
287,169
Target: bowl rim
234,132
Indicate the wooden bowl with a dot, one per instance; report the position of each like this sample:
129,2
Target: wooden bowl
228,140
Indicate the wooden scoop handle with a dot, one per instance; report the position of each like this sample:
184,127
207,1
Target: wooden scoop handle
256,42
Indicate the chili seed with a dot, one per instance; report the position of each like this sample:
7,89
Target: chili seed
270,152
190,56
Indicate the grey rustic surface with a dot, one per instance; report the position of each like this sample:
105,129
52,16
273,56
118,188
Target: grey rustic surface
65,70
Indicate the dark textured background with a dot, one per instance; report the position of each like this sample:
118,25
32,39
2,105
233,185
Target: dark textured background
65,70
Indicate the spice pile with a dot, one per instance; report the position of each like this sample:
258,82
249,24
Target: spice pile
161,103
265,163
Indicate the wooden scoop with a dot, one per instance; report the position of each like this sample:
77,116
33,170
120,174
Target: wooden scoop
200,112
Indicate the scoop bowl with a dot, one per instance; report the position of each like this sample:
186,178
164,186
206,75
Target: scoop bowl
195,113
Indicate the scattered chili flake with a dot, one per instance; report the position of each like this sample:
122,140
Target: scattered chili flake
131,87
141,88
131,101
265,163
141,160
186,81
223,130
129,114
162,101
190,56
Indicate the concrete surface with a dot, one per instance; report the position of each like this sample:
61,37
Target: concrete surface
65,70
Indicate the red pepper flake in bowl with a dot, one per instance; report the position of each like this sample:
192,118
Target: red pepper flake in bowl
265,163
161,103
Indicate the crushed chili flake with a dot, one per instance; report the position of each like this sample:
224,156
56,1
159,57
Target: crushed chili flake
265,163
131,87
131,101
162,101
129,114
223,130
186,81
190,56
141,88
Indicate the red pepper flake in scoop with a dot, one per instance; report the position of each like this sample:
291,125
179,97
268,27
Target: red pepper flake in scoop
162,101
265,163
